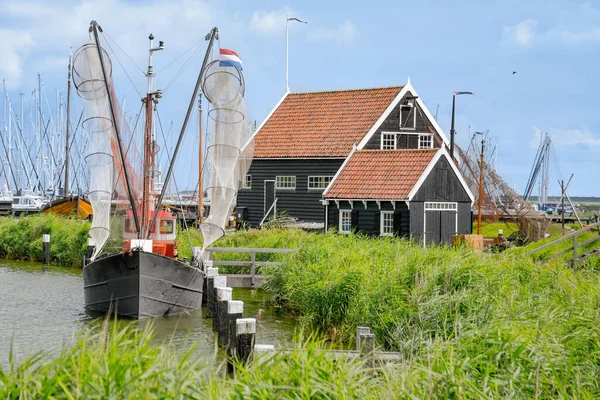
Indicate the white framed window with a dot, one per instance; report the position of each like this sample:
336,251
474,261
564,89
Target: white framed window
426,141
441,206
247,182
345,221
319,182
285,182
387,223
388,141
408,116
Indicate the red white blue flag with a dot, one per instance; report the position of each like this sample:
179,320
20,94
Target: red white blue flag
229,58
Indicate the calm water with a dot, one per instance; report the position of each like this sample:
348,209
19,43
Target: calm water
42,309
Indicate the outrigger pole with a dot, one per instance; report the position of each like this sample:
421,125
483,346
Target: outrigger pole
213,34
114,120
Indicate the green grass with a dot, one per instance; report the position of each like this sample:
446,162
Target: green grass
490,229
467,325
21,239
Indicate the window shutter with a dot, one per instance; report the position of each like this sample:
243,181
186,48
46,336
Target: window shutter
397,222
354,220
377,221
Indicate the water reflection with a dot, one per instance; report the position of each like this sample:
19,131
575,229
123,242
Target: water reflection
42,309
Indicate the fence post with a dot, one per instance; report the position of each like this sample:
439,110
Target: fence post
210,275
235,308
46,248
252,266
368,348
574,249
220,316
245,330
211,287
263,352
361,330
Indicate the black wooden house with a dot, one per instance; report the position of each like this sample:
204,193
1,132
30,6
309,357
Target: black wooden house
306,150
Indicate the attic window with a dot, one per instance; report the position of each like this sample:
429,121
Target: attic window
408,116
388,141
425,141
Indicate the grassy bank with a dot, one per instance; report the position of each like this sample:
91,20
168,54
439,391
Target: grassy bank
496,317
21,239
123,364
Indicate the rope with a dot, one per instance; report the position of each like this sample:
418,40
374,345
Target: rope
123,68
126,55
181,55
185,66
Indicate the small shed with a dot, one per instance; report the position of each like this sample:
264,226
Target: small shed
416,193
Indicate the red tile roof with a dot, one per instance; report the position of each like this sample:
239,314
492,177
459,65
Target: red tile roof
380,174
321,124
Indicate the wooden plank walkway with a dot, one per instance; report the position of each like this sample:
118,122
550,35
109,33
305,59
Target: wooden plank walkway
251,280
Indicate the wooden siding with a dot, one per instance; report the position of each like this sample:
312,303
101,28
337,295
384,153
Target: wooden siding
301,202
392,124
368,220
442,184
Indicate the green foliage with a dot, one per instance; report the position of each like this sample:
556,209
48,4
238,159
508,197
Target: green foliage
490,229
494,324
21,238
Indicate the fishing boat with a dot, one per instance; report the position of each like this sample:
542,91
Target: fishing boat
145,278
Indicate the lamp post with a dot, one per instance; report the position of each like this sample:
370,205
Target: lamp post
480,195
452,131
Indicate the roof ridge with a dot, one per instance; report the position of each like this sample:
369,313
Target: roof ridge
399,87
396,150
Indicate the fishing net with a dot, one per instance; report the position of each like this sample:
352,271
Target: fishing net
229,151
105,168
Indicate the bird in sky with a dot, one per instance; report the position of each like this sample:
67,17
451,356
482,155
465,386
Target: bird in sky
514,72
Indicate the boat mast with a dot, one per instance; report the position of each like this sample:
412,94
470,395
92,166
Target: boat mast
210,36
68,128
152,96
95,28
200,188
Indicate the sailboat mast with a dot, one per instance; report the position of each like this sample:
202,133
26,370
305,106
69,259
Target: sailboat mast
149,142
200,161
68,127
211,37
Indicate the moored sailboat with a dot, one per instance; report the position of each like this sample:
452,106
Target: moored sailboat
145,278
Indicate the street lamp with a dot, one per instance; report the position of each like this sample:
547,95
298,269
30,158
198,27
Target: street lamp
480,196
452,131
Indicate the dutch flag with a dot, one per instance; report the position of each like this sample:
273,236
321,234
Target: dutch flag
229,58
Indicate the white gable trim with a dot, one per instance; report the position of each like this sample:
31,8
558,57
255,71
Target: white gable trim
265,120
339,171
441,152
407,88
383,116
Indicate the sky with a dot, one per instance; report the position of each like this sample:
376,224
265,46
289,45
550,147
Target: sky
465,45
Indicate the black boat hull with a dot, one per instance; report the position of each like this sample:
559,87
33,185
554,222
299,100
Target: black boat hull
138,284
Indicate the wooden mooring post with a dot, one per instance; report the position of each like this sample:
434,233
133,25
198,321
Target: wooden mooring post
212,283
223,295
46,248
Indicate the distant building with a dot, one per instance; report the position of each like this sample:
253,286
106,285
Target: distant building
369,160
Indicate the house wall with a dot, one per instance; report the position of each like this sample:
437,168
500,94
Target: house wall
406,141
301,202
367,220
442,185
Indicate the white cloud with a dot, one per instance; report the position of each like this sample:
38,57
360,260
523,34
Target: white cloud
522,34
590,36
48,31
569,137
345,33
270,22
14,46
